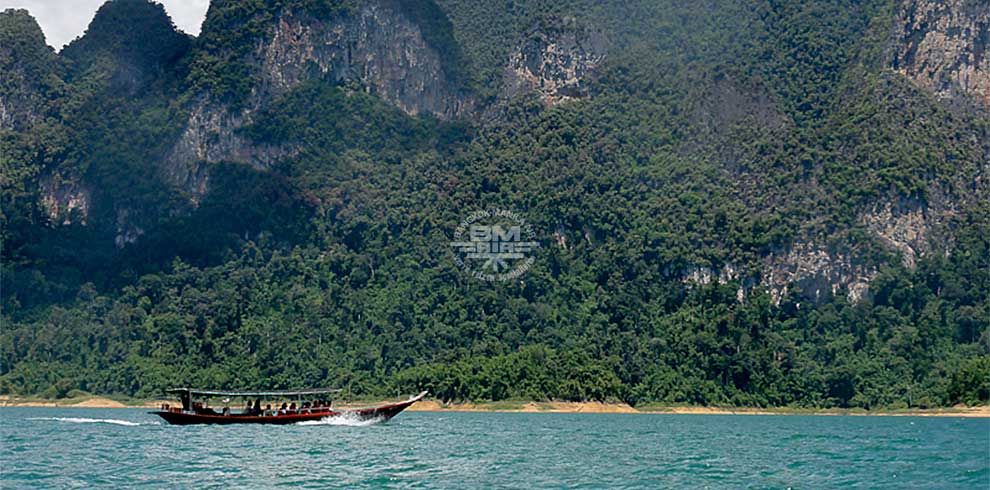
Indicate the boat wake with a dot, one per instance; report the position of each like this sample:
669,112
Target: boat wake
84,420
346,419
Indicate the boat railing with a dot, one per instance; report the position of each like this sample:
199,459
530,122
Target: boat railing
298,411
166,407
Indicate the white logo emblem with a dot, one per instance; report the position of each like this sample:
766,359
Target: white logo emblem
494,245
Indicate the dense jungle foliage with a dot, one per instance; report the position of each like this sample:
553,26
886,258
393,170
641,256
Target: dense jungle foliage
716,134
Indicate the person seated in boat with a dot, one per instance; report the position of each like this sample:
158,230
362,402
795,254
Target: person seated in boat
203,409
292,408
257,407
248,409
226,411
283,408
268,410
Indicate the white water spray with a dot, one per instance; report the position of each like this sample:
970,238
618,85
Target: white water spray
349,419
85,420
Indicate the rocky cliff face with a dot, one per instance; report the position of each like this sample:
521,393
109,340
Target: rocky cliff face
210,136
909,228
815,273
375,45
944,46
65,200
554,60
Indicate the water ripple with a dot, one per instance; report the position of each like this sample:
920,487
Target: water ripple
86,448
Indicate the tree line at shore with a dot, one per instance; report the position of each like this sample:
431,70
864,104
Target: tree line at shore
279,321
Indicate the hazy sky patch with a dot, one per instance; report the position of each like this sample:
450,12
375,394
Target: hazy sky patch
64,20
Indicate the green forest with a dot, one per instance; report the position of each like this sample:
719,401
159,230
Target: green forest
714,135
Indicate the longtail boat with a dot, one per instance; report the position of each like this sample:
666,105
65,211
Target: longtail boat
307,405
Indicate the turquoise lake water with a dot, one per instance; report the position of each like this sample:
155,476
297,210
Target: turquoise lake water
125,448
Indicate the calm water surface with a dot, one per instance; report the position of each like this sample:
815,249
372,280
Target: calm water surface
125,448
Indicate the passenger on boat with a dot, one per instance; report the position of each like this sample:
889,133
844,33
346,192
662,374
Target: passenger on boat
248,409
268,410
257,407
201,408
292,407
284,407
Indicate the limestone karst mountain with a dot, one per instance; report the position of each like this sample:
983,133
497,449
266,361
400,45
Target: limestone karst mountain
753,202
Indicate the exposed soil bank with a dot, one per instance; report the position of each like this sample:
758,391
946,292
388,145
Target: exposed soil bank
546,407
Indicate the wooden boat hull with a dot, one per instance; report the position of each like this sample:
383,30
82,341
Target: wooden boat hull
380,412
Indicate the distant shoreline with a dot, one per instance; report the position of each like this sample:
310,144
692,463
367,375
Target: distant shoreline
599,407
552,407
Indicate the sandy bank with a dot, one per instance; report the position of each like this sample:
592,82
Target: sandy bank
433,405
599,407
526,407
959,411
89,402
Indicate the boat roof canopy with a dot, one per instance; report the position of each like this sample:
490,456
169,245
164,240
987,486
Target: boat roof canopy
276,393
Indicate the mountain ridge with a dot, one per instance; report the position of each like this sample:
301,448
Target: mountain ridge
759,213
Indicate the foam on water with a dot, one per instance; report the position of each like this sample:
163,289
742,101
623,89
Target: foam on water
464,450
348,419
86,420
